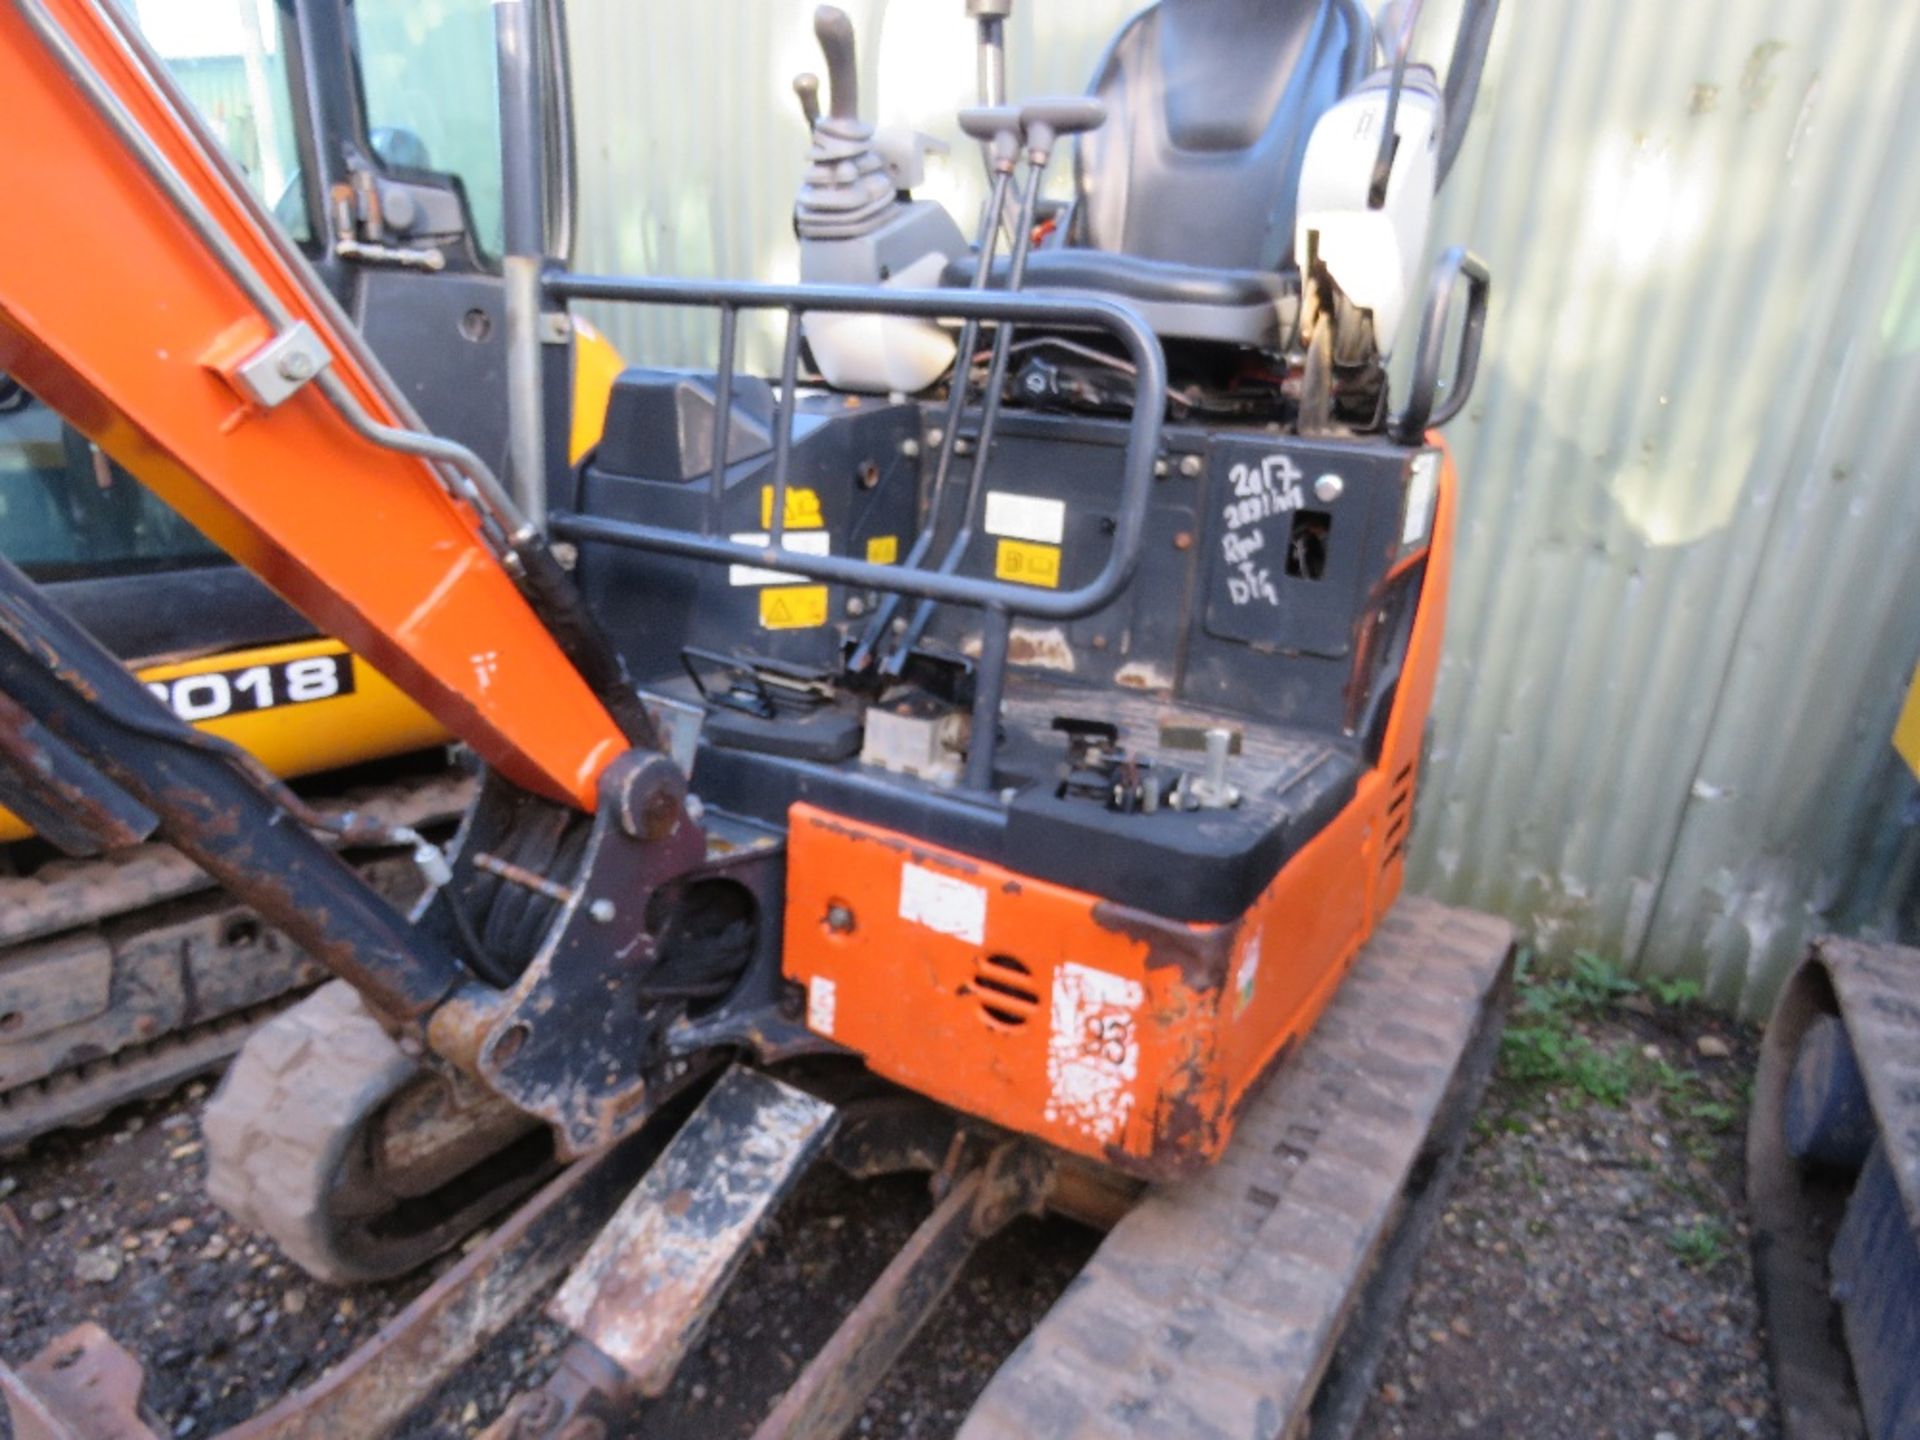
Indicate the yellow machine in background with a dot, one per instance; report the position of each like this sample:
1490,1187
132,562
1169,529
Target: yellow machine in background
133,956
1906,731
309,706
300,709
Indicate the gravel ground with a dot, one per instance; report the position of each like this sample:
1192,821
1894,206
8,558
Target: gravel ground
1591,1274
1589,1278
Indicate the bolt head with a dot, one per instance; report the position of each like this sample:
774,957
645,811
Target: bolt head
839,918
1328,488
296,366
601,911
1191,465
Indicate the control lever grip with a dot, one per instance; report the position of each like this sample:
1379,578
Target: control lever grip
1047,120
984,122
807,87
834,31
996,126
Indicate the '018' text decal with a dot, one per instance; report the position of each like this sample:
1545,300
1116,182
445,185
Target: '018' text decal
213,693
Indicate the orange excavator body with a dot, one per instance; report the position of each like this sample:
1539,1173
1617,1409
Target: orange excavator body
1104,1030
363,540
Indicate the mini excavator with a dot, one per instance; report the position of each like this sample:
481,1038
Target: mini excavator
986,746
124,973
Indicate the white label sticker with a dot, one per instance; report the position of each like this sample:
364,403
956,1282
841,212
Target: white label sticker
1093,1053
940,902
1026,517
821,996
1420,493
801,542
1247,973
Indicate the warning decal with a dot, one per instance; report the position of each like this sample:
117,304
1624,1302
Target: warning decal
802,509
1028,564
1026,517
798,607
807,542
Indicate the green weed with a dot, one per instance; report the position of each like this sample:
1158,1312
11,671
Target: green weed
1555,1056
1674,994
1701,1245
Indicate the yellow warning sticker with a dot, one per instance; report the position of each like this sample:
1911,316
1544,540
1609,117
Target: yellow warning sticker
1906,733
883,549
803,509
1028,564
794,607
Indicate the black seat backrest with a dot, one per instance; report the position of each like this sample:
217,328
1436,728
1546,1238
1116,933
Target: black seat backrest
1209,106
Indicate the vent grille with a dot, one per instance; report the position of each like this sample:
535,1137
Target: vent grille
1006,990
1399,814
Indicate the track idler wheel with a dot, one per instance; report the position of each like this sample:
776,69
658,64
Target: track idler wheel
360,1163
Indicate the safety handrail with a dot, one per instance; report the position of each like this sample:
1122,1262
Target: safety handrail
1080,312
1000,600
1413,422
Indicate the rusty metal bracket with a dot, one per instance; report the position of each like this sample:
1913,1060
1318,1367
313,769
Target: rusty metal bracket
561,1043
68,802
83,1386
824,1401
639,1300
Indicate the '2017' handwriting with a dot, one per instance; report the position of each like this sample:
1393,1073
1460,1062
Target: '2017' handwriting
1260,492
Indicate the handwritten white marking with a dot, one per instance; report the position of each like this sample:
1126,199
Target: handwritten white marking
1093,1052
1260,492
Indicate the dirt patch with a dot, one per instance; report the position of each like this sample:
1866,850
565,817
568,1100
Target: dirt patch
1590,1275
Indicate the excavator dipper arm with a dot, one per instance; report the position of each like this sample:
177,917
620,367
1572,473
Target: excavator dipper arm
147,296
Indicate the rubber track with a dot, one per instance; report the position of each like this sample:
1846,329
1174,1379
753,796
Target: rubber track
278,1127
66,894
1879,991
87,1092
1875,989
115,890
1214,1307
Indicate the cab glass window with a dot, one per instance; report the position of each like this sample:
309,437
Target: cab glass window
67,512
228,58
433,97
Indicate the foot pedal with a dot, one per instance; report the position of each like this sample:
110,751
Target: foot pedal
641,1297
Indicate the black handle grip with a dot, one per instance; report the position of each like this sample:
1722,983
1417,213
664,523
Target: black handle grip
834,31
1413,422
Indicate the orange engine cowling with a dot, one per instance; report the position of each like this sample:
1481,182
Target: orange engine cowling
1105,1030
1099,1028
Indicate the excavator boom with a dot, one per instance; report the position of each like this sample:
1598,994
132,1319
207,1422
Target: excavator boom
157,308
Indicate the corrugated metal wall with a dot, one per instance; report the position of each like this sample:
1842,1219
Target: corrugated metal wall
1686,604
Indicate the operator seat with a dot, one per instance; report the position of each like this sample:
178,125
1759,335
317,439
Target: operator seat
1184,198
